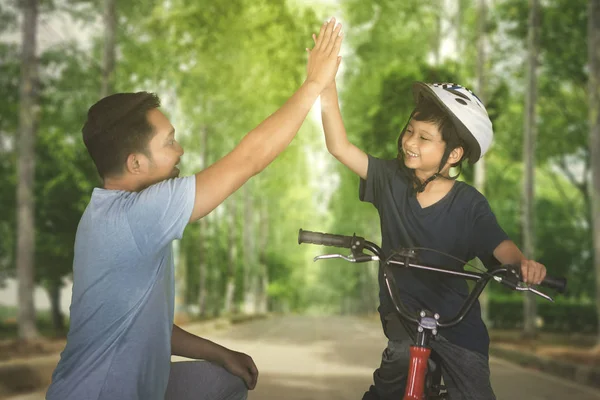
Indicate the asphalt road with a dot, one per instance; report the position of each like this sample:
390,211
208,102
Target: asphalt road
318,358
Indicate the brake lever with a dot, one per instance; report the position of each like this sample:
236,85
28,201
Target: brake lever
350,258
522,287
515,284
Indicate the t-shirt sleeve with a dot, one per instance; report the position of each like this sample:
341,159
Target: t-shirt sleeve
158,214
486,233
370,188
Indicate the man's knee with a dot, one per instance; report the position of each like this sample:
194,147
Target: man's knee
237,390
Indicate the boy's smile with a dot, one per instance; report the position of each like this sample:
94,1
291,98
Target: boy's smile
410,154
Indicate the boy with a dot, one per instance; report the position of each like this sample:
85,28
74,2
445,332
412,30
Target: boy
122,336
420,204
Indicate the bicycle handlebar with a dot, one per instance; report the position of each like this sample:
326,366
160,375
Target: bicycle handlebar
350,242
326,239
558,284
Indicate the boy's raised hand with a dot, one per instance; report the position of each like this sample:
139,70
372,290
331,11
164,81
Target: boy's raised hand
323,59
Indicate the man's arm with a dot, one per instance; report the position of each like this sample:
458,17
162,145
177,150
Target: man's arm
185,344
335,134
262,145
507,252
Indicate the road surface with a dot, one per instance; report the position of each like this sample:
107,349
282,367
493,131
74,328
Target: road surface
318,358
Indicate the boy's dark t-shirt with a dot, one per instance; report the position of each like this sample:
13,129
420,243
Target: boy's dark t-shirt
461,224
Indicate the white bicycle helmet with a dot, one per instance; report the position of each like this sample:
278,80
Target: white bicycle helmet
467,112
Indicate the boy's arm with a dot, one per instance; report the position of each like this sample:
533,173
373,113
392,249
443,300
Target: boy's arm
185,344
508,253
262,145
335,134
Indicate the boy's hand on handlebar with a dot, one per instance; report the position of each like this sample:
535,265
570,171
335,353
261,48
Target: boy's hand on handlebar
532,272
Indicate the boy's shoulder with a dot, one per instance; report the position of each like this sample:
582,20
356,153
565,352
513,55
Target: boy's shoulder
467,190
390,164
469,198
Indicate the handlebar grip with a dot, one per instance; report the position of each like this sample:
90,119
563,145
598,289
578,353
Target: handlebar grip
325,239
558,284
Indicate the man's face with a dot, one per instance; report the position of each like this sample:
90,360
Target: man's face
165,151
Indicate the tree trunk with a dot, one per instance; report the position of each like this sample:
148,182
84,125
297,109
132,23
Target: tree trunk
594,115
481,92
231,254
438,38
263,278
249,252
459,25
58,321
28,119
110,28
202,267
180,260
529,311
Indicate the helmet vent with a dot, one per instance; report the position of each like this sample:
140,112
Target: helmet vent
461,101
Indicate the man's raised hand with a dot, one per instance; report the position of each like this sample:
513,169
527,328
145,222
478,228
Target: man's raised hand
323,59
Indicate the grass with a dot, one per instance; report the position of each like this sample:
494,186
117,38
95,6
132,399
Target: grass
575,340
9,328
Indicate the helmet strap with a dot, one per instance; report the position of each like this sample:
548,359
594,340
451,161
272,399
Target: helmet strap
421,186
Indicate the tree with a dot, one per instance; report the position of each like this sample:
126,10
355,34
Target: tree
202,232
9,122
529,157
28,120
562,153
110,28
594,118
481,92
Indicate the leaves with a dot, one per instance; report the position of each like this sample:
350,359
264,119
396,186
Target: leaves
223,67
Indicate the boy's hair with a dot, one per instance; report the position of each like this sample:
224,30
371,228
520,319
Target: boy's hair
428,111
116,127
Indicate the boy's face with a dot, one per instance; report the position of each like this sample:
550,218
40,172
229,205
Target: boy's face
423,147
164,150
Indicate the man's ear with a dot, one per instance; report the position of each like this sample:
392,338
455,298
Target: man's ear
133,164
455,155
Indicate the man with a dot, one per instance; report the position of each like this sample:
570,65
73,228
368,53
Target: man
122,334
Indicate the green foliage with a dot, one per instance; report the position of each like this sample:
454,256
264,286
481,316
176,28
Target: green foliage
376,102
64,174
8,323
222,67
563,316
8,17
9,87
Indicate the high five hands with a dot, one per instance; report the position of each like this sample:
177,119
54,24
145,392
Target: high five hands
324,59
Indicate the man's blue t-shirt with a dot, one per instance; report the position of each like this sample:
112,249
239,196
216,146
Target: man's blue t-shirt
461,224
121,316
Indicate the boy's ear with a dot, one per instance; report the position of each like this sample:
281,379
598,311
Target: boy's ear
455,155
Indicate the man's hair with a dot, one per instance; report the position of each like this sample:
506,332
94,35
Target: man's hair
116,127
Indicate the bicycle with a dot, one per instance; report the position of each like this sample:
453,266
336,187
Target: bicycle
423,383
